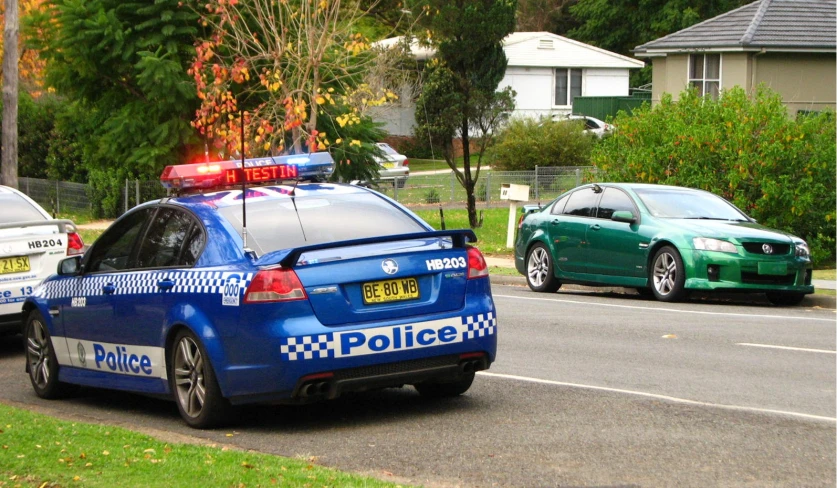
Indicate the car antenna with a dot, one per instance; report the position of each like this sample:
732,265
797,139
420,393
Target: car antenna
243,188
298,218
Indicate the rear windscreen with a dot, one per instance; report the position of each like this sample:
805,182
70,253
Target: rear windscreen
16,209
273,224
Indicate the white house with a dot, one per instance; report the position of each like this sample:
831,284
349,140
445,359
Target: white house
545,69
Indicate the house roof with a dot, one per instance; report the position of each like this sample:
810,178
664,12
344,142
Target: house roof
541,49
777,25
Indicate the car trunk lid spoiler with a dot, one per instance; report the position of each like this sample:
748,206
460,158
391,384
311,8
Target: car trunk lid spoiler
287,258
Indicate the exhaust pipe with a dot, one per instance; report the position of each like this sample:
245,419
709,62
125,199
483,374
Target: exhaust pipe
315,389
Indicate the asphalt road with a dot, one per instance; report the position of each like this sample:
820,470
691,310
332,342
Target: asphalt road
589,389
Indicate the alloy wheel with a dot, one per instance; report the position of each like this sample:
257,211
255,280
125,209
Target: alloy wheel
189,371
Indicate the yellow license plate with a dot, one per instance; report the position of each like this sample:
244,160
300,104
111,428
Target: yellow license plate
17,264
388,165
390,290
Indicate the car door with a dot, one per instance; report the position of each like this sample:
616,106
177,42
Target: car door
567,229
614,247
170,243
89,316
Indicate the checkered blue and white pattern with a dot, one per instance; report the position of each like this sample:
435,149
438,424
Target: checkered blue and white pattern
143,282
320,346
481,325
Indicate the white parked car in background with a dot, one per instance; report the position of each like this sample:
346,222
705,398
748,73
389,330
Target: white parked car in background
592,125
394,167
31,245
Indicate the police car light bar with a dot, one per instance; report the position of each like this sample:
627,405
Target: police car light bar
258,170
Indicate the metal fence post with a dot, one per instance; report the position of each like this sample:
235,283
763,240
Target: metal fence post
137,202
126,195
58,197
536,183
577,177
487,186
452,180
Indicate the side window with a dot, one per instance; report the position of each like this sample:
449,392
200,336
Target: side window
112,251
582,203
194,245
558,208
164,240
614,200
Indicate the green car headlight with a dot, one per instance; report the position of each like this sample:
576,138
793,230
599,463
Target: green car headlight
707,244
802,250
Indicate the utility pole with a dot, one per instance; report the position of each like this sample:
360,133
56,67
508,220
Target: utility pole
8,161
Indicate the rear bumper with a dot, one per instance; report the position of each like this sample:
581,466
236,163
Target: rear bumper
330,385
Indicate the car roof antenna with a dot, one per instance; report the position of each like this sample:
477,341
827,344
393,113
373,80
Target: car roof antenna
298,218
243,189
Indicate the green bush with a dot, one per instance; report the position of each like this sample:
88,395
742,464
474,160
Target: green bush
525,143
432,196
778,169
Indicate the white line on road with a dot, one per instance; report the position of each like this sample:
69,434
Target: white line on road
661,309
659,397
824,351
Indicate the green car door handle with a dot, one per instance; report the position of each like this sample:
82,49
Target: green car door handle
595,227
556,222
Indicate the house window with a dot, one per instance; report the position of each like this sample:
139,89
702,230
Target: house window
705,74
567,86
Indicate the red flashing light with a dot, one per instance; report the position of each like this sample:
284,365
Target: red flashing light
224,173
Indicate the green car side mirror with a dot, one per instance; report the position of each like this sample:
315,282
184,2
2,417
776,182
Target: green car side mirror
623,216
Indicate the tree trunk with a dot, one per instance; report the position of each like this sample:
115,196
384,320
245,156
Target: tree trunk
8,161
468,183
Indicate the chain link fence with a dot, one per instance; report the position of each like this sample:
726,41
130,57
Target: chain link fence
418,189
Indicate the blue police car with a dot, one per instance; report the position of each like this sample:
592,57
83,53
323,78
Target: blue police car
286,292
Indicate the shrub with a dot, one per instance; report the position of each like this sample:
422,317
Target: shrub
778,169
525,143
432,196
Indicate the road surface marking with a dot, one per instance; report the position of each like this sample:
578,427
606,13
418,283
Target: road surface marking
660,309
659,397
824,351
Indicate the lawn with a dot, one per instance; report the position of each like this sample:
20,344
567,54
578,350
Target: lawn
40,451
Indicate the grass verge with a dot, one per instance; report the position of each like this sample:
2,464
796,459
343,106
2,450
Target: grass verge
42,451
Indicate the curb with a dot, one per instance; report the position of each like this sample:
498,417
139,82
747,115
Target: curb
810,301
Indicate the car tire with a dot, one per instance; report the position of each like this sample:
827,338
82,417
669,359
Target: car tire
41,362
194,385
540,274
786,299
445,389
668,276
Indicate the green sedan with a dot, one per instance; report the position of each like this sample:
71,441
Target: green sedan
662,240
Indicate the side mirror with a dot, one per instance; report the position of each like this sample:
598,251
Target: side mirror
623,216
70,266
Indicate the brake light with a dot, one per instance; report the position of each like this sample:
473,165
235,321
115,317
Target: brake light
275,285
406,162
75,245
477,267
520,221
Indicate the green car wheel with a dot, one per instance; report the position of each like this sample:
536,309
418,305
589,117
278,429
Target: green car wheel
668,275
540,275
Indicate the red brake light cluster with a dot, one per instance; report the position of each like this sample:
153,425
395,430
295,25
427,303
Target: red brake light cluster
406,162
477,267
275,285
75,245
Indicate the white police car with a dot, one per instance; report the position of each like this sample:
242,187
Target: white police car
314,290
31,245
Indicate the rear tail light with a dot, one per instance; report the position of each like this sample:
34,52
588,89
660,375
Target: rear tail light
74,244
275,285
520,221
477,267
406,162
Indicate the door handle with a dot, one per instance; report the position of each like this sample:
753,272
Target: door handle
595,227
165,284
109,289
556,222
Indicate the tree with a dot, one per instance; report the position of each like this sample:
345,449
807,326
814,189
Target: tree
8,176
292,73
462,82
